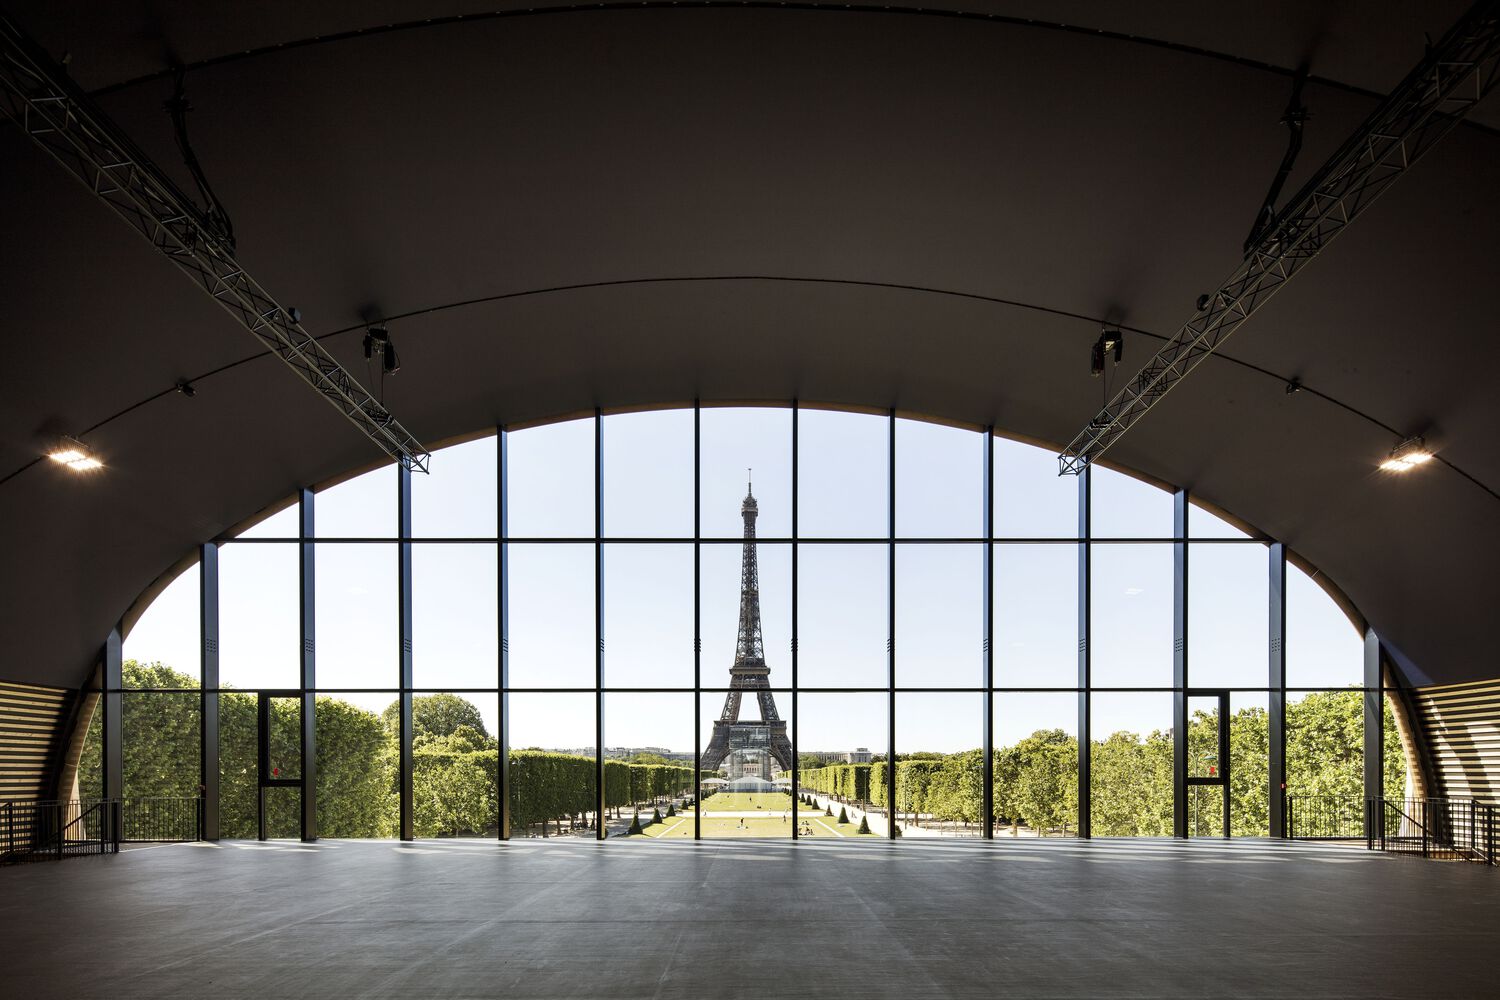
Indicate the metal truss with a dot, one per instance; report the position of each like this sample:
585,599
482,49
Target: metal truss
59,117
1455,75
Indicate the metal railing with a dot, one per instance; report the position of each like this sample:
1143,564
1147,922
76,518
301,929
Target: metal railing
1436,828
1325,817
50,831
1442,829
161,819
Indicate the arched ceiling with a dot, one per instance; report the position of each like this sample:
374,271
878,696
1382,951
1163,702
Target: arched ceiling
610,207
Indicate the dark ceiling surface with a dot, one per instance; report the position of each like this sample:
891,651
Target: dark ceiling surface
619,207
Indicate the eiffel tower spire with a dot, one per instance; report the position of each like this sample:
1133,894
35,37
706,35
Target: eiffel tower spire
749,672
750,648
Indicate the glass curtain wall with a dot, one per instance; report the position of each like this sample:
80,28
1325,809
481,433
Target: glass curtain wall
741,621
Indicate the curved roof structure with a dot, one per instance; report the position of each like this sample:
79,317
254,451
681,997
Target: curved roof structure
562,208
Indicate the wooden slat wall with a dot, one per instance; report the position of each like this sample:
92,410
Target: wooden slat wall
1462,726
30,722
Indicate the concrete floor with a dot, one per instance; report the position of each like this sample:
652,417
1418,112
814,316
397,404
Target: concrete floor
638,918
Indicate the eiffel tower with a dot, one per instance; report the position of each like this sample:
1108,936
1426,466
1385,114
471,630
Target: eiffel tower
749,672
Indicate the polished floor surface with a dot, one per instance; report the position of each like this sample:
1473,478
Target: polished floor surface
637,918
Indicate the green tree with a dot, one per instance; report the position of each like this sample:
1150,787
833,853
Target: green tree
435,715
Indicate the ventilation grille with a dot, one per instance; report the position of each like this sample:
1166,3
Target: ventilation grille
30,722
1462,725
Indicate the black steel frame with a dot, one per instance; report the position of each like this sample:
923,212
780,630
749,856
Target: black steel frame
404,689
1221,780
264,778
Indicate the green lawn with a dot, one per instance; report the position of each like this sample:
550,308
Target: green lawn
750,826
776,802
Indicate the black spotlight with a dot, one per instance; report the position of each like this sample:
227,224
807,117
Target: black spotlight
377,339
378,345
1109,342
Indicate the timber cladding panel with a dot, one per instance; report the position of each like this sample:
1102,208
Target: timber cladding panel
31,721
1462,725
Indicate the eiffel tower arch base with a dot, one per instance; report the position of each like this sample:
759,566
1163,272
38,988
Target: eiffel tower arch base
729,736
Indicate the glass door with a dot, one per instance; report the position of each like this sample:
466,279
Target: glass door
279,729
1208,764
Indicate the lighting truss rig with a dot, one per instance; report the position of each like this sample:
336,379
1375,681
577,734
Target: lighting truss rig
1455,75
59,117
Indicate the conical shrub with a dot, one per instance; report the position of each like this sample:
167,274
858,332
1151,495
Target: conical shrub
635,824
843,815
864,824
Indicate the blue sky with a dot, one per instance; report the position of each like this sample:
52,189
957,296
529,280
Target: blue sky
843,491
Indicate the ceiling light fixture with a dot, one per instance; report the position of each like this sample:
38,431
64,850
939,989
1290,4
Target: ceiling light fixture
71,453
1408,455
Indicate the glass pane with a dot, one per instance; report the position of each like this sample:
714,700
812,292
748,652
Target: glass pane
239,767
160,740
362,507
939,481
842,597
746,786
1205,810
357,613
721,604
283,813
1036,765
1325,750
1131,610
648,615
260,634
89,782
648,767
358,747
455,765
549,481
456,499
455,616
939,615
1250,764
843,485
1322,648
1125,507
843,746
1036,615
939,765
648,474
1131,765
1228,602
1031,499
1203,738
284,739
550,625
168,635
552,778
741,442
1399,778
1202,524
282,524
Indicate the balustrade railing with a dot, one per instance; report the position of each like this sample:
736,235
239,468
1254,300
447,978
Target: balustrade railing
1436,828
52,830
